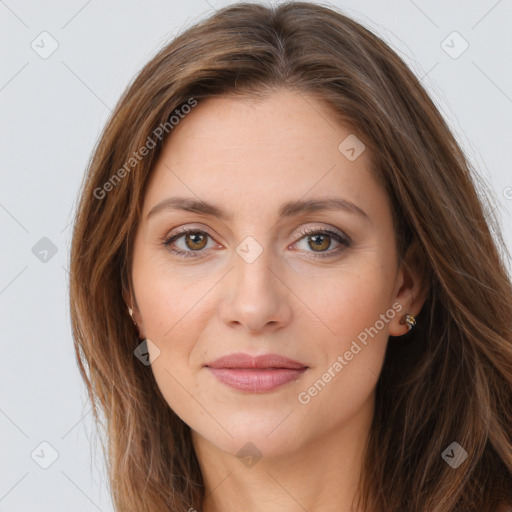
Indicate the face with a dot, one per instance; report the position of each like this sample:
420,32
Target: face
320,286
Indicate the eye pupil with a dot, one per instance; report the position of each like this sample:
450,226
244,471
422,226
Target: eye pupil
196,238
318,244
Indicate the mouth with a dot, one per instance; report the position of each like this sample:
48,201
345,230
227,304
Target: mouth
265,361
256,374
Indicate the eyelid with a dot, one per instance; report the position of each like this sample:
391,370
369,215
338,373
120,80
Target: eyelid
300,233
327,229
339,236
187,228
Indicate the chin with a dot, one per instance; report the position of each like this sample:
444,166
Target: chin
267,437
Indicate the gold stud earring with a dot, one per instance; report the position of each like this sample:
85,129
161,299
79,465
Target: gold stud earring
409,320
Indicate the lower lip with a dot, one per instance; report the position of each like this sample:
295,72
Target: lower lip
256,380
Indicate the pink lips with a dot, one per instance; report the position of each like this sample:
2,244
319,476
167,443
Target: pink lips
256,374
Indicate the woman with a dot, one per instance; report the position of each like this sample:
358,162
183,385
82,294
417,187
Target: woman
285,294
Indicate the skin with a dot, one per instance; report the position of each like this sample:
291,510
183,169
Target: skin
248,158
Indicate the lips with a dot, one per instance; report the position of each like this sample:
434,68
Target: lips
259,374
245,361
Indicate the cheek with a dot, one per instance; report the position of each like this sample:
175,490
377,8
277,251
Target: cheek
351,298
344,380
175,310
355,312
175,321
171,302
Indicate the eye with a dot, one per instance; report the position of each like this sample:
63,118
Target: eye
195,240
319,240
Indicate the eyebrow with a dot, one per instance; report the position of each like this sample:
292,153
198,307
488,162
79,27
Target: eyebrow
290,209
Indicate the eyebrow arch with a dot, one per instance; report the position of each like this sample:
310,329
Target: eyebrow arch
290,209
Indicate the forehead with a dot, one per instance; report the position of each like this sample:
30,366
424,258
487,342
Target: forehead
251,153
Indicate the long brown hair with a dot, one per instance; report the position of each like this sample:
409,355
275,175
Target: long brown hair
448,380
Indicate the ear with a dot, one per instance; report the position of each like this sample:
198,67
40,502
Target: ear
412,287
135,316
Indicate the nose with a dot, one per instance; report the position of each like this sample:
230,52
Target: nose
255,295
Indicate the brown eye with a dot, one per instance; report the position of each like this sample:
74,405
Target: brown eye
194,241
319,242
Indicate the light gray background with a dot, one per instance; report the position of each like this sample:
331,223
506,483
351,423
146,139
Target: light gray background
51,113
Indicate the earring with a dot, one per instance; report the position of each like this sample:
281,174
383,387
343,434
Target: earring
130,310
409,320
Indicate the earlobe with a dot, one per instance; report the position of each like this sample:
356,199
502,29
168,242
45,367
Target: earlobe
139,328
413,289
127,299
130,311
133,314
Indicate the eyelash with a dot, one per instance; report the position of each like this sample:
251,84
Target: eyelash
345,242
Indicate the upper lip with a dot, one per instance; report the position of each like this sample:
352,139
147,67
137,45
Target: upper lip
241,360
